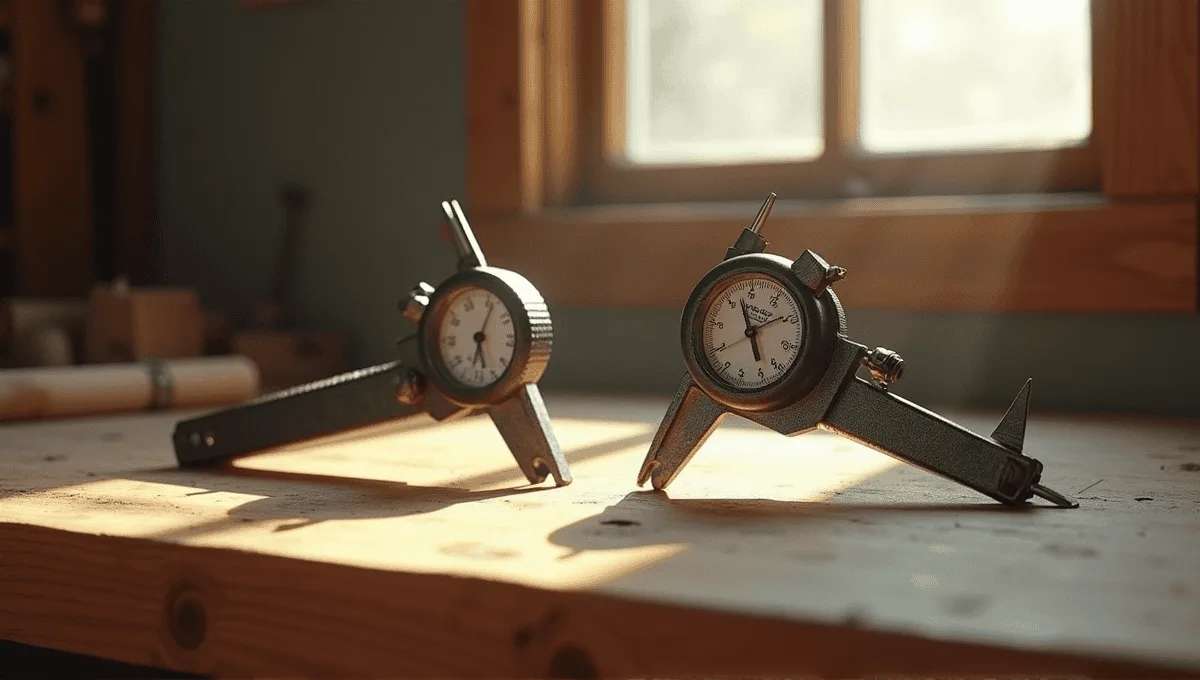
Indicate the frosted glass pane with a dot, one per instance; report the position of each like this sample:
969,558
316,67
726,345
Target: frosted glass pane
713,81
975,74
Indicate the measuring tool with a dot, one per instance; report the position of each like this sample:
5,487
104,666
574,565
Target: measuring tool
764,338
482,343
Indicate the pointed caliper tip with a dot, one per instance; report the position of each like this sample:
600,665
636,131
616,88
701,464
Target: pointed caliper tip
543,469
1054,497
647,471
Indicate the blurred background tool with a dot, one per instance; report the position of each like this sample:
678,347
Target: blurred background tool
286,355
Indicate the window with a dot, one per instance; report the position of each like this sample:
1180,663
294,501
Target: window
724,81
1011,74
728,81
845,99
988,154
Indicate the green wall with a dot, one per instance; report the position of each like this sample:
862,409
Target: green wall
359,100
363,101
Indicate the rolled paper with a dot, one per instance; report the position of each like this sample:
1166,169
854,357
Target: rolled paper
61,391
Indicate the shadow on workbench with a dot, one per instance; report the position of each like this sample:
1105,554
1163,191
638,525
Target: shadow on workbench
27,661
327,498
334,497
654,518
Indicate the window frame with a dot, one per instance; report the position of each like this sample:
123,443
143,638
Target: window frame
842,170
536,128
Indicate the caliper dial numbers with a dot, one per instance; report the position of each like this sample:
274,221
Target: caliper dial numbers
476,338
752,333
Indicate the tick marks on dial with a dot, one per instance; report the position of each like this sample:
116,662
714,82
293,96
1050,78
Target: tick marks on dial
752,333
478,320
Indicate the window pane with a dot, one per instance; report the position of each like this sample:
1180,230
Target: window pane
975,74
723,80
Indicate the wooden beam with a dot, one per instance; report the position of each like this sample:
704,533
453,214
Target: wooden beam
842,64
1052,255
504,105
1147,82
562,128
136,200
221,612
53,207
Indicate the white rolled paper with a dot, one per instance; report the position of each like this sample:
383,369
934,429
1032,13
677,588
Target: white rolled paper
107,388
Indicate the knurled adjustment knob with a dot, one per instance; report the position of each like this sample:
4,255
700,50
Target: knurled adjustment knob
418,300
885,365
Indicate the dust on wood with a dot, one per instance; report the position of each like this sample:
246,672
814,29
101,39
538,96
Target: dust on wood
813,543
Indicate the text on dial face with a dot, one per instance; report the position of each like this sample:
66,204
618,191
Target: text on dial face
752,333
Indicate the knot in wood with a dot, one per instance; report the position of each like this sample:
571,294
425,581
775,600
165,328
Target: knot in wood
187,620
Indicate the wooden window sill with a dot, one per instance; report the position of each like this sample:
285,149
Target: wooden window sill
1063,253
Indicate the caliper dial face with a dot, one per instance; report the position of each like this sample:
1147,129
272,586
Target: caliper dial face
752,332
476,337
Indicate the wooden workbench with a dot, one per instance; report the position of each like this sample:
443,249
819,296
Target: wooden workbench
417,550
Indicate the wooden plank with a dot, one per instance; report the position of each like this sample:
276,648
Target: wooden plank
417,550
842,67
135,64
504,105
601,119
1147,77
51,166
850,176
941,254
562,125
613,77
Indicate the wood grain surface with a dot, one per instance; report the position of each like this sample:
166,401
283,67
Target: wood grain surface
417,550
51,161
1147,85
136,57
504,105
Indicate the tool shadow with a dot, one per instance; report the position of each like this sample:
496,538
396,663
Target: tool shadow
294,500
647,518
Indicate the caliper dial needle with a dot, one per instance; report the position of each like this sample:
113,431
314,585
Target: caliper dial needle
750,332
480,337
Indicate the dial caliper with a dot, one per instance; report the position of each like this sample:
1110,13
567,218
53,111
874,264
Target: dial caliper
765,338
483,341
